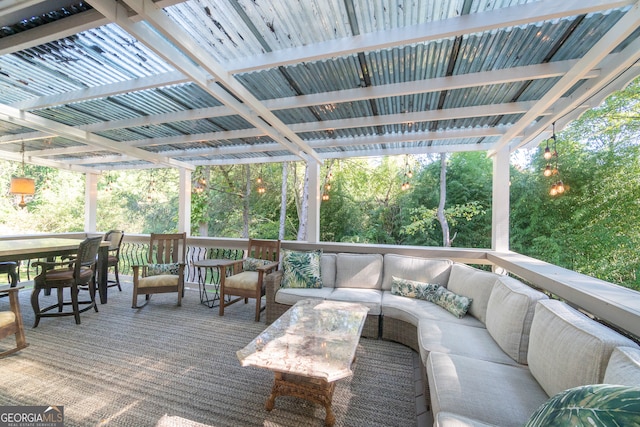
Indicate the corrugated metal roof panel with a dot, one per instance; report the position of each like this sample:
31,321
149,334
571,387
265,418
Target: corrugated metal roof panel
106,57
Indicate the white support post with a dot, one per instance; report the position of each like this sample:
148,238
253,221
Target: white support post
184,202
501,186
313,213
90,202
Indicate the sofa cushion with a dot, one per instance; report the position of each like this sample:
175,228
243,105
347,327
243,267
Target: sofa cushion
328,270
590,405
290,296
359,271
412,289
414,268
623,367
371,298
475,284
492,393
301,269
447,337
447,419
567,349
509,315
412,310
458,305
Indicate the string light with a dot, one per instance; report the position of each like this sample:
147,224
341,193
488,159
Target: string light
408,174
327,185
261,188
557,187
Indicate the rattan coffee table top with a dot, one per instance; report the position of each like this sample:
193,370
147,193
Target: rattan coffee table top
314,338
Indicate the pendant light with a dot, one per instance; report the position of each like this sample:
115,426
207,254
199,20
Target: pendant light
22,186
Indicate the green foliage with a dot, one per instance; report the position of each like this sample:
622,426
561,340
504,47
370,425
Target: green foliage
592,228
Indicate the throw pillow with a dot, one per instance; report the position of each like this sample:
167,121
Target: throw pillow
162,269
413,289
590,405
252,264
455,304
301,269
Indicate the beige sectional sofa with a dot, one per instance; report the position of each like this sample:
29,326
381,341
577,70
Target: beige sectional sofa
512,351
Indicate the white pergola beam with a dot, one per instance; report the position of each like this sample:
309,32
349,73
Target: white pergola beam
530,72
615,74
104,91
250,108
329,143
616,35
22,118
429,31
59,29
391,119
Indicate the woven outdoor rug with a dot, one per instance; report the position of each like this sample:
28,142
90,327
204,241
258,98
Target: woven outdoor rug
164,365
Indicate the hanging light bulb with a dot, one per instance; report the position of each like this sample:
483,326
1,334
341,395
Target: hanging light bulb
259,180
547,152
325,197
560,187
547,170
554,190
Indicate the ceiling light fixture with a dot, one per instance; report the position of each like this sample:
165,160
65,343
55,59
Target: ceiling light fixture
22,186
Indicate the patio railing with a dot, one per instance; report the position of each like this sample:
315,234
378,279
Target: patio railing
614,305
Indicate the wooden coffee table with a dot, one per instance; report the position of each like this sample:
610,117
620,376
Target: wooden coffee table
312,345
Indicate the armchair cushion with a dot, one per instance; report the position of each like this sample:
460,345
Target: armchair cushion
162,269
301,269
412,289
252,264
7,318
244,280
161,280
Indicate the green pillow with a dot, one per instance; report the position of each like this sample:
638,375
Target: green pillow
455,304
412,289
162,269
301,269
590,405
252,264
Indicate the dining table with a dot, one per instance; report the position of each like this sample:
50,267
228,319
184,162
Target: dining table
48,247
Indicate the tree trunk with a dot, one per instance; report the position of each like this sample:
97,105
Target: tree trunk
245,202
283,200
446,242
304,206
203,227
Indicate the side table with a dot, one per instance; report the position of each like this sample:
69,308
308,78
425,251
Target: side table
211,264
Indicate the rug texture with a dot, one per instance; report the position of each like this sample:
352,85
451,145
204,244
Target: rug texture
164,365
